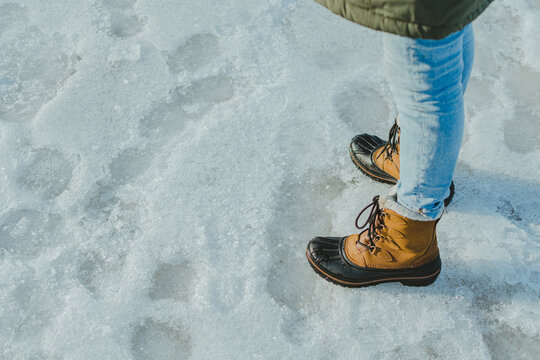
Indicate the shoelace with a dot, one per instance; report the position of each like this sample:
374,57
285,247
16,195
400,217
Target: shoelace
391,144
374,221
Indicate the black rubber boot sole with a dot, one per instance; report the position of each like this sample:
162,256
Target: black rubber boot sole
407,281
365,145
327,258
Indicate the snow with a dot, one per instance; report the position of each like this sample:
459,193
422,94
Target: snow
164,163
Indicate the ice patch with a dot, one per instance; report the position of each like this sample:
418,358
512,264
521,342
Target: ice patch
159,340
101,199
111,97
198,51
124,22
33,65
27,232
129,164
47,173
203,93
166,119
504,340
10,14
226,294
125,25
363,107
521,131
299,202
173,281
96,267
32,305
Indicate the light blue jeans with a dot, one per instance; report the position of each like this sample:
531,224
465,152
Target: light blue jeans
428,79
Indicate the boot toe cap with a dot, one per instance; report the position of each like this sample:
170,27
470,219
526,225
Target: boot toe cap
364,145
320,249
326,258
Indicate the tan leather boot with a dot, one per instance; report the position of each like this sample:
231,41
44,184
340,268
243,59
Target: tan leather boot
379,159
397,245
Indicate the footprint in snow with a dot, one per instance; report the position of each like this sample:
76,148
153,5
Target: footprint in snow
158,340
124,22
96,269
362,106
47,173
301,201
173,281
198,51
130,164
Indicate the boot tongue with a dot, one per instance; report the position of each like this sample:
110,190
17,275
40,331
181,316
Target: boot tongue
363,237
379,252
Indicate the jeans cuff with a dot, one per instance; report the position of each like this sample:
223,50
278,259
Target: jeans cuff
391,202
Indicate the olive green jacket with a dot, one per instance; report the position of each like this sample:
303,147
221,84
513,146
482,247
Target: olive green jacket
426,19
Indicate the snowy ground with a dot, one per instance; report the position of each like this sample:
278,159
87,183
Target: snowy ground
164,163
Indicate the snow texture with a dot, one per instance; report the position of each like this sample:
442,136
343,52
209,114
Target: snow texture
164,163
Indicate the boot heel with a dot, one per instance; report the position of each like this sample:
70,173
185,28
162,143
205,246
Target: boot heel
420,282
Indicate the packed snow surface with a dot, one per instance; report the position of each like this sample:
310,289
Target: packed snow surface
165,162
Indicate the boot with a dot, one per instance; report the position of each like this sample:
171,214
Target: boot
392,248
379,159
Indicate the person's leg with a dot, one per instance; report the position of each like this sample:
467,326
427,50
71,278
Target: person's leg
398,240
427,79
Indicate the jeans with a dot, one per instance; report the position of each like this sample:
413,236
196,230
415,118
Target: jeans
428,80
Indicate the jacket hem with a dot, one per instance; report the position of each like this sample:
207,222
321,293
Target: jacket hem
367,17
